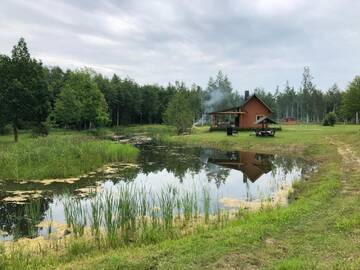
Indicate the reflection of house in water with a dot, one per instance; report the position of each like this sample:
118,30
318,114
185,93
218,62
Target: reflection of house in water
252,165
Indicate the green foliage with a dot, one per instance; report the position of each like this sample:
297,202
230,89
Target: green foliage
59,156
80,103
5,130
351,100
41,129
219,94
24,94
329,119
179,113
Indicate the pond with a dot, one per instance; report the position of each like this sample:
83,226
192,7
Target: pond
231,178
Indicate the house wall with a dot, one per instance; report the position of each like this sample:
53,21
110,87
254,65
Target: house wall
252,108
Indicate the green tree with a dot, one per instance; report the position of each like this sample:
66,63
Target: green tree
351,99
24,94
329,119
81,104
220,94
179,113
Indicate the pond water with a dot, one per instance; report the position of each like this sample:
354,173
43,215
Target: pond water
228,176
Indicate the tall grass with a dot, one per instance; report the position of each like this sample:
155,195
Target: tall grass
130,214
59,156
75,215
32,216
206,198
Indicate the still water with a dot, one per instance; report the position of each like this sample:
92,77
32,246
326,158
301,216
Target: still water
240,176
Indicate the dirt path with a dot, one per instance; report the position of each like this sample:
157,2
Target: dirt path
350,166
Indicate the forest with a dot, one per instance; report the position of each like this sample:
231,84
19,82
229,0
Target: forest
35,96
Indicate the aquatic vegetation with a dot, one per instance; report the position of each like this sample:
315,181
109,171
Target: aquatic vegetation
32,214
131,214
59,156
75,215
206,200
95,218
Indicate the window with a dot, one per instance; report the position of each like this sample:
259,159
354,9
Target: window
258,117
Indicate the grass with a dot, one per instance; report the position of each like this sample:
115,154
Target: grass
126,216
58,156
318,230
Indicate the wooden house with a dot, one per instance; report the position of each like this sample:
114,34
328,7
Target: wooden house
289,121
245,116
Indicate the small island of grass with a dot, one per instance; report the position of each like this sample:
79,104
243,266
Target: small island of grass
60,155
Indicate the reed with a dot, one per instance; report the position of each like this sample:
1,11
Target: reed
32,216
95,219
75,216
110,220
131,214
188,205
167,199
207,201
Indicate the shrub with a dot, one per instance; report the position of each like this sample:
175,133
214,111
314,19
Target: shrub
5,130
330,119
41,129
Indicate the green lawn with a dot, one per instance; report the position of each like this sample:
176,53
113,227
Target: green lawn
318,230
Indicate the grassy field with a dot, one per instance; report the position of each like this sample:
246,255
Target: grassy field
60,155
318,230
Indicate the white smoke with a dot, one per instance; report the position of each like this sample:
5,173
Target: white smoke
214,98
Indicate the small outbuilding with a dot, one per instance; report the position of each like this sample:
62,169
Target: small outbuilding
264,122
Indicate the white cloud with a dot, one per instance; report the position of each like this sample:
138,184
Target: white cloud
258,43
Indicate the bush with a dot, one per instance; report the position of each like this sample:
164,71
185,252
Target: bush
99,132
179,113
42,129
330,119
325,122
5,130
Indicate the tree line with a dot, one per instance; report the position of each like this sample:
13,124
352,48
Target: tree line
38,97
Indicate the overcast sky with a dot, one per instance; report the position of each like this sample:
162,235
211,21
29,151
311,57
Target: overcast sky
257,43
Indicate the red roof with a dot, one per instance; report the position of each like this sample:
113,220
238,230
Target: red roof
242,105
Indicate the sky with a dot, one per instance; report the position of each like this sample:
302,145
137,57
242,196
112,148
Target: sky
256,43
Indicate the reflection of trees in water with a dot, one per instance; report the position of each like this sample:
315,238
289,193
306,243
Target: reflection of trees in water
287,164
181,161
20,220
216,173
178,161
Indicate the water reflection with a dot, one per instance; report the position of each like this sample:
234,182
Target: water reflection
242,175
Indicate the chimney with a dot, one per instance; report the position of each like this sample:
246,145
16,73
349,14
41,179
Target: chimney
246,94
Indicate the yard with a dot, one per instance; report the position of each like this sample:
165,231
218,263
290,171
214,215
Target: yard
318,230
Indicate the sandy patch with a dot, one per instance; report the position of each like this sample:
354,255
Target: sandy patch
281,198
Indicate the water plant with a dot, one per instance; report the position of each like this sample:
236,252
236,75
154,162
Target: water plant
128,213
95,218
32,216
167,199
75,216
206,200
110,220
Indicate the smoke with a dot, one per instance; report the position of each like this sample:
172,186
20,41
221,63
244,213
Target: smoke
215,98
212,102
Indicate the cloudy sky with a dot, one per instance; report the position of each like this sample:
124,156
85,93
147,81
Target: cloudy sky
257,43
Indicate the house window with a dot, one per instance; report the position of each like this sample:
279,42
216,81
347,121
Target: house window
258,117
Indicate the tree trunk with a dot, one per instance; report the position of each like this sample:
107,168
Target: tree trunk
16,134
117,116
